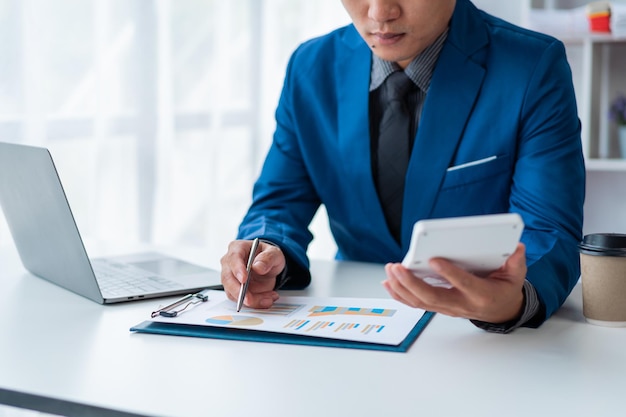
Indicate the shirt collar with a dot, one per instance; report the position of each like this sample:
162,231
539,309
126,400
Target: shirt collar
420,70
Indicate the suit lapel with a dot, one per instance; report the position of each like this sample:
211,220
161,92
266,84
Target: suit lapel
445,113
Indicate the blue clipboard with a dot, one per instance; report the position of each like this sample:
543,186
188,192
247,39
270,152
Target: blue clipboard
177,329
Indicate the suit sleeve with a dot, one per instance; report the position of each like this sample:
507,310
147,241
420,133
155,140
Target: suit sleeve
284,199
549,180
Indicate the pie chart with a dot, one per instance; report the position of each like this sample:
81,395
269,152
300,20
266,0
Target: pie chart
229,320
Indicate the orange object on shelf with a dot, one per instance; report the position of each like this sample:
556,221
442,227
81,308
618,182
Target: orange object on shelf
599,16
600,22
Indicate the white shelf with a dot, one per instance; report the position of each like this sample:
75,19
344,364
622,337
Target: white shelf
611,165
597,62
579,38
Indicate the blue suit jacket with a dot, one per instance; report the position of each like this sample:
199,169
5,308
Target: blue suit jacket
497,90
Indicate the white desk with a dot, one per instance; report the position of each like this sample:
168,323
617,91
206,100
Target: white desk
65,354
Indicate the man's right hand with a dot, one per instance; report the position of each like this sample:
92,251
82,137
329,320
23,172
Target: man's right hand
268,263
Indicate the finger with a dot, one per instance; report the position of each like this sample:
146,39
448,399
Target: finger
231,285
406,287
234,267
269,260
268,263
516,263
457,277
234,261
388,284
261,300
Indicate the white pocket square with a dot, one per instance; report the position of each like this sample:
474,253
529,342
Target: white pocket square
472,163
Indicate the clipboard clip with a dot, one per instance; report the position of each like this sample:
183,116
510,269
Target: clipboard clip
178,306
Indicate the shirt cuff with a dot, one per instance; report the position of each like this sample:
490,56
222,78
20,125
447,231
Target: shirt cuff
532,307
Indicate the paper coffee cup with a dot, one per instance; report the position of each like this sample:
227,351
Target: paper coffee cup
603,275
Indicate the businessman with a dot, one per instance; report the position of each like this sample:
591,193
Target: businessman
422,109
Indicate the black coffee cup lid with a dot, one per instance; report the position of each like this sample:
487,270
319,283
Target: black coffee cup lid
604,244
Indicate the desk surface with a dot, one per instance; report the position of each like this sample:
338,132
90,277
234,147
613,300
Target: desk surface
65,354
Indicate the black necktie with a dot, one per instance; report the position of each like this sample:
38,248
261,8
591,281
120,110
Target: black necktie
394,148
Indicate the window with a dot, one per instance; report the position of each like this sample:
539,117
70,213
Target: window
157,112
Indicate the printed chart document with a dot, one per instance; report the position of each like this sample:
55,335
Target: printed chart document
382,324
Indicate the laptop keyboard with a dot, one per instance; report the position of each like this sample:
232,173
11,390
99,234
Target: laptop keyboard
119,280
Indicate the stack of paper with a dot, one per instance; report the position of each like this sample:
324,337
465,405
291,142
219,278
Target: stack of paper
618,19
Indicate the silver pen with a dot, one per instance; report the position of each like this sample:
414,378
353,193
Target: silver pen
244,285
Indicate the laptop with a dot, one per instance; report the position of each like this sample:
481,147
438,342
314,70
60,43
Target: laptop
50,246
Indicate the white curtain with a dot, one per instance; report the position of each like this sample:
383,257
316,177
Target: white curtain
157,112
